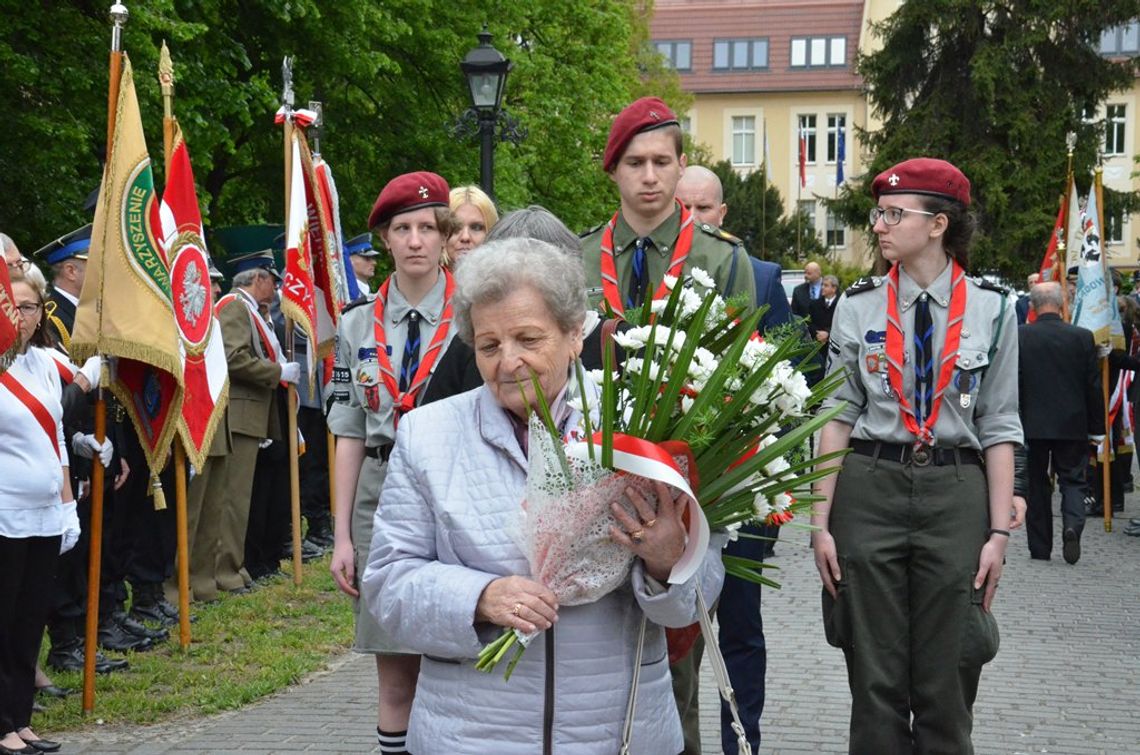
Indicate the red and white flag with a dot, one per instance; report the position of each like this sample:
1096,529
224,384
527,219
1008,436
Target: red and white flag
205,373
9,321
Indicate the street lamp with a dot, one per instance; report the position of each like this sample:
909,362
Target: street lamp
486,71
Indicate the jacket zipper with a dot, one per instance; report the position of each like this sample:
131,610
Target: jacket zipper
548,706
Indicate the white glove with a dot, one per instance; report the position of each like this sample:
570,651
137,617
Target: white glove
87,446
265,443
1102,352
291,372
70,527
91,369
1096,439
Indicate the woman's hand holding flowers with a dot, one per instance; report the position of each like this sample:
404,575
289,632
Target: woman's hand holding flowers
517,603
657,538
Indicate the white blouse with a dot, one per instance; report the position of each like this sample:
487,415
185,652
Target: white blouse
31,474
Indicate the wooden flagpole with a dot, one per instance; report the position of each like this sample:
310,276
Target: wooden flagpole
166,82
294,469
1106,468
118,15
1062,245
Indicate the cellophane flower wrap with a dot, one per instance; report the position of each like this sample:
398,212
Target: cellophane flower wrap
695,375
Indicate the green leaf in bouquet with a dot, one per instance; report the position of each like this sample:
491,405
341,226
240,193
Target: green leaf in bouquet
749,569
726,331
825,387
587,423
548,422
609,405
714,488
742,397
645,386
711,394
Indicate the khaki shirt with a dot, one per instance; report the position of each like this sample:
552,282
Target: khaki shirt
979,407
727,263
357,369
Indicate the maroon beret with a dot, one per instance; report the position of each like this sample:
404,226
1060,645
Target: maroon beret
923,175
410,191
642,115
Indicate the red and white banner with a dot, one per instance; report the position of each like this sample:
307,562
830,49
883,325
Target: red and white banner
298,295
649,460
9,320
326,189
205,373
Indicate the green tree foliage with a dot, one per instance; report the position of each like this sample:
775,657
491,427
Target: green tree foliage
386,70
993,86
755,215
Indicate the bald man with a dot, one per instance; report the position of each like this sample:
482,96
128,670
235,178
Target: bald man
741,634
811,288
701,192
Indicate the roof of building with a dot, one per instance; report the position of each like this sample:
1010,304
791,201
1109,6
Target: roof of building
702,22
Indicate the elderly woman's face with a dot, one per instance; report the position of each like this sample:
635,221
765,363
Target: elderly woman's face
471,231
30,307
516,337
415,242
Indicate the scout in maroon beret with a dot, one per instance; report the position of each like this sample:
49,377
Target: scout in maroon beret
646,114
923,175
410,191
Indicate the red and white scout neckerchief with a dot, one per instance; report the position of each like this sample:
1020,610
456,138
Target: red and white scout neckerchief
676,265
406,401
924,436
33,404
268,341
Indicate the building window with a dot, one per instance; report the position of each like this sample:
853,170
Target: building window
807,131
740,54
1114,130
818,52
836,232
743,140
836,125
806,210
679,54
1121,40
1113,226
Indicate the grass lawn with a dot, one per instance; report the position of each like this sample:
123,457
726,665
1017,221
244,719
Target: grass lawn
242,648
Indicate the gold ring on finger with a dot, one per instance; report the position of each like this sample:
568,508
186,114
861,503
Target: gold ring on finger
516,609
637,536
650,523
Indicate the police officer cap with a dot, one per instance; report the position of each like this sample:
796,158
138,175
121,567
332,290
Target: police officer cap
253,261
215,273
642,115
411,191
361,246
71,246
923,175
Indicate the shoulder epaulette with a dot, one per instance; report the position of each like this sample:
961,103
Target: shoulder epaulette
591,231
981,282
357,302
867,283
719,233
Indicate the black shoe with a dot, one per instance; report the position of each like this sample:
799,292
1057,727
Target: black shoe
320,534
53,691
44,745
112,636
1037,557
154,614
71,659
138,629
37,708
1072,545
25,750
310,551
1132,530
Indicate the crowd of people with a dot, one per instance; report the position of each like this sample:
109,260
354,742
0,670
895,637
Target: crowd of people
435,373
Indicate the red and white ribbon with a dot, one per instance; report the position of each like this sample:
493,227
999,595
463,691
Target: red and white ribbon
300,117
645,459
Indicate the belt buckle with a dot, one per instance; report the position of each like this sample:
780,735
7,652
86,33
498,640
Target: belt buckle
922,456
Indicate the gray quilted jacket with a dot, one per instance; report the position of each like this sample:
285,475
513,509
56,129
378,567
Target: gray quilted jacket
455,481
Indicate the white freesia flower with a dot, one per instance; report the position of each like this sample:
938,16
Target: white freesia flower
686,404
690,303
733,531
777,466
756,352
597,377
670,281
657,306
701,277
781,501
634,338
761,506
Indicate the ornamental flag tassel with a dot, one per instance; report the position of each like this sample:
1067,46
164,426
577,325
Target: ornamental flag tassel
125,308
205,374
9,322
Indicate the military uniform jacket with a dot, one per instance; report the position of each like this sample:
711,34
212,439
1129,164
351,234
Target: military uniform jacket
357,384
979,407
253,376
713,251
61,316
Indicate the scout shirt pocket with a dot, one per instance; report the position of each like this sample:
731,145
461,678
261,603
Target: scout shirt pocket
966,382
366,377
873,368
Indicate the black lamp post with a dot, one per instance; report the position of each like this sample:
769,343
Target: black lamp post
486,71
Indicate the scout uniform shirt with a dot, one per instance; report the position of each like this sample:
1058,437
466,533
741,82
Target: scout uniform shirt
979,407
720,258
357,383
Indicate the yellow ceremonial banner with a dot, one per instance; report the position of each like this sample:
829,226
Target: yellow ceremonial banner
125,308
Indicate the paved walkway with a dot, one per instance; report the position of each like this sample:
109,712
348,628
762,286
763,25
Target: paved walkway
1067,679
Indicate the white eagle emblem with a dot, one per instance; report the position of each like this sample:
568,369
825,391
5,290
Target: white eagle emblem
193,296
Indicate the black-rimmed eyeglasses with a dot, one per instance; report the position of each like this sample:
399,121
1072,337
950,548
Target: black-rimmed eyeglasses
893,215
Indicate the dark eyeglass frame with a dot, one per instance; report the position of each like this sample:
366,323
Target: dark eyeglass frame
893,215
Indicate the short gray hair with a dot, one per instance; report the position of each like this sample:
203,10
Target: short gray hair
1045,296
247,277
536,222
495,269
832,280
7,243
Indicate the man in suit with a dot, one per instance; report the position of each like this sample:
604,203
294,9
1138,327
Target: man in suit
741,627
700,190
810,289
256,366
1062,411
821,310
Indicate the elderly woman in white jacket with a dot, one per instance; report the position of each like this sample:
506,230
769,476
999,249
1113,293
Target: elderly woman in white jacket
444,575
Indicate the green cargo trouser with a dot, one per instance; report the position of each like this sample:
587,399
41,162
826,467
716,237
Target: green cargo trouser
907,617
